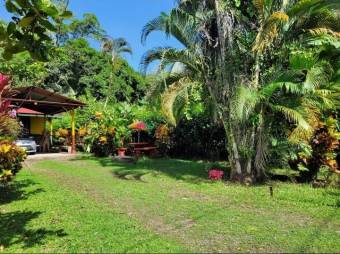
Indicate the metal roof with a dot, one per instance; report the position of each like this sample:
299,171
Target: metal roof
26,111
41,100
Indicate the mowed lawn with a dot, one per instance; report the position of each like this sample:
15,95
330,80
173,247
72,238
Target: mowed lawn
97,205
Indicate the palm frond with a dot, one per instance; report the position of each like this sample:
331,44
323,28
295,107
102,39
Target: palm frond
292,115
259,5
324,31
178,24
323,40
303,7
169,56
115,46
302,60
269,33
319,75
175,92
288,87
244,103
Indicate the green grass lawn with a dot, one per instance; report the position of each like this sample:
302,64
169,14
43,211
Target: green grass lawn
96,205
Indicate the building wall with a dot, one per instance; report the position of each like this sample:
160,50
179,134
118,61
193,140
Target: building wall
37,125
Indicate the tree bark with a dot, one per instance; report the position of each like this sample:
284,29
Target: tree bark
236,172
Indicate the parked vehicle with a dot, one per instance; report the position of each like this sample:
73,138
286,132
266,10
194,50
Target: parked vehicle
28,144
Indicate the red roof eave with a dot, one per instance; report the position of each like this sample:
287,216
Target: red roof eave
26,111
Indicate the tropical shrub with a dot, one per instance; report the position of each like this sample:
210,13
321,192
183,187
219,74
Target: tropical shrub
322,154
104,133
163,139
198,138
9,127
98,139
11,158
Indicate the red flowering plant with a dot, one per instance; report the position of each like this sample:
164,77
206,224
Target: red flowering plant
4,81
11,156
9,126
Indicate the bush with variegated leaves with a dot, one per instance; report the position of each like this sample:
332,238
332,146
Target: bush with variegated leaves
11,158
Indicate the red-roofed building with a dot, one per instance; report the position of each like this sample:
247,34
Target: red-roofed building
35,107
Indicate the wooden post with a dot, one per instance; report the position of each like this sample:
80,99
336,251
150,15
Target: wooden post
271,191
51,131
73,131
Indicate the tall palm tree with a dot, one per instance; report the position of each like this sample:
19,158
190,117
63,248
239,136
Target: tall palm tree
114,47
217,52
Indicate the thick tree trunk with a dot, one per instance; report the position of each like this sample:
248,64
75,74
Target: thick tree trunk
235,160
259,167
249,165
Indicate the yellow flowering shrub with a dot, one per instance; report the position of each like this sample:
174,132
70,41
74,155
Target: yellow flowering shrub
63,133
102,139
162,133
82,132
111,131
11,158
99,115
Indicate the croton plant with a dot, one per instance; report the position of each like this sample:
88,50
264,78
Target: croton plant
11,156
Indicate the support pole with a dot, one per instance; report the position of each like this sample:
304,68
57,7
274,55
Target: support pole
73,131
51,131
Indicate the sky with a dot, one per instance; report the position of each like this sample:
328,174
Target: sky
124,18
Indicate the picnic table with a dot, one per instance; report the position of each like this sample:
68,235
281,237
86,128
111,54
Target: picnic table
140,148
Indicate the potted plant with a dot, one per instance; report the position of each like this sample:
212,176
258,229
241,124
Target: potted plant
122,134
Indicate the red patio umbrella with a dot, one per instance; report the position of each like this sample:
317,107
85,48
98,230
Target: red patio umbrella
138,126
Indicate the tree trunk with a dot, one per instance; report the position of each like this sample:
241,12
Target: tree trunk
236,172
249,165
259,159
109,91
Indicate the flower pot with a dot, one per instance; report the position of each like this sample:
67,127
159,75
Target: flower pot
121,152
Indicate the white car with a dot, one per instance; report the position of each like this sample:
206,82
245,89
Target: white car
28,144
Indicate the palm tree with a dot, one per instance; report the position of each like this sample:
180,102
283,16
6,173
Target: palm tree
217,53
114,47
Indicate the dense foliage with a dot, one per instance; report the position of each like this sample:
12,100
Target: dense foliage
30,27
11,156
101,130
198,138
263,64
76,70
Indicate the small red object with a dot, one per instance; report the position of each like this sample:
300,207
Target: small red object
215,174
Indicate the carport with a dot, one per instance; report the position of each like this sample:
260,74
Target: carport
35,103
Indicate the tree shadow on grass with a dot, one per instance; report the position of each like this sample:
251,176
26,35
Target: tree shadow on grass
188,171
13,229
13,224
15,191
